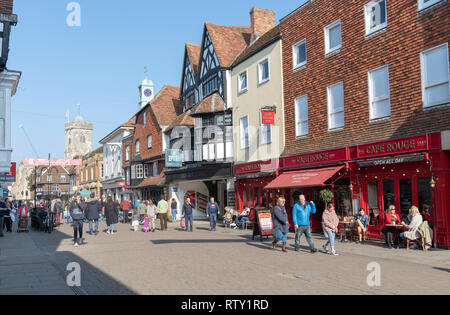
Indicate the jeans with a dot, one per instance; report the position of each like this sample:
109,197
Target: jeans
304,229
69,219
331,238
240,221
1,226
174,214
189,218
90,225
77,229
213,221
111,228
389,235
402,236
7,223
281,236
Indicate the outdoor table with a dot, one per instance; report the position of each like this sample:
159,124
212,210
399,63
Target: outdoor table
345,227
398,229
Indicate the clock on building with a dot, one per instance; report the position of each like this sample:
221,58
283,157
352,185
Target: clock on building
148,92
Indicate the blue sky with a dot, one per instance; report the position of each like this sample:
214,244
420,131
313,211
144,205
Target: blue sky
101,63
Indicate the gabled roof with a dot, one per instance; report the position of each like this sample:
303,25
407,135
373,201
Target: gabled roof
212,104
268,38
228,41
166,105
193,52
182,120
130,123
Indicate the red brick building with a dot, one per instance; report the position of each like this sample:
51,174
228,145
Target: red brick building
367,106
144,150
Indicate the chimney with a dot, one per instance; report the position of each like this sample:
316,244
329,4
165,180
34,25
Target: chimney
262,20
6,6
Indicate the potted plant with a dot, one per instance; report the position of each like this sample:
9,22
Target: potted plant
326,196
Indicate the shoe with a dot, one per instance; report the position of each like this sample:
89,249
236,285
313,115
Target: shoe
313,251
81,242
76,244
274,244
334,253
325,249
284,248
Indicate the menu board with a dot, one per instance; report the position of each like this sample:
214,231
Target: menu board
264,223
231,199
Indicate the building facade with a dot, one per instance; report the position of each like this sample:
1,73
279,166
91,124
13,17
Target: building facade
91,172
78,138
52,183
366,96
20,188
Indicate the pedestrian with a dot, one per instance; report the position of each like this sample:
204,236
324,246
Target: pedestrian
135,220
112,215
174,208
3,212
142,209
7,224
146,223
151,213
59,208
330,225
416,222
126,207
281,224
187,213
212,210
163,208
93,214
76,212
302,222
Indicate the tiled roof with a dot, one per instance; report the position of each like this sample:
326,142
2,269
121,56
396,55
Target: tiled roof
228,41
130,123
182,120
152,181
268,38
193,52
212,104
166,105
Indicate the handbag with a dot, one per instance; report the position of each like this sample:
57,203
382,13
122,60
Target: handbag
183,223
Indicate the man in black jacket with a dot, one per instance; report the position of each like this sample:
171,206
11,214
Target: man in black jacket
3,212
76,212
93,213
187,213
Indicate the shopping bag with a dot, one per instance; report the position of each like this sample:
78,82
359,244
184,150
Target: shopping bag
183,223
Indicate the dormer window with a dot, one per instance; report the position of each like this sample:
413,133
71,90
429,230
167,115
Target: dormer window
210,86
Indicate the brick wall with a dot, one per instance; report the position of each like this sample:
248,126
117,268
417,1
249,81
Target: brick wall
408,33
6,6
142,132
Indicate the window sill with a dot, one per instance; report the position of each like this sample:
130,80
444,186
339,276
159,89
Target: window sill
431,107
301,137
376,32
242,92
263,82
379,120
333,52
336,129
300,67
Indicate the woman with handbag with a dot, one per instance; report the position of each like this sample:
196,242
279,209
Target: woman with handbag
281,224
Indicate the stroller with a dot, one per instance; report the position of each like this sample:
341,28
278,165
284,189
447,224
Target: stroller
23,225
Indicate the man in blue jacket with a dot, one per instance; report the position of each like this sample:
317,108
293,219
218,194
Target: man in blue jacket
302,221
212,210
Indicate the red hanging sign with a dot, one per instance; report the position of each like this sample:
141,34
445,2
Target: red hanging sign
268,117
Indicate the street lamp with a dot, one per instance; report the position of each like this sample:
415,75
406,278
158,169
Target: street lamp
6,20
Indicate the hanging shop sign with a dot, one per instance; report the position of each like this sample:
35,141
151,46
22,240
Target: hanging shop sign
174,158
399,146
331,156
268,117
11,176
391,161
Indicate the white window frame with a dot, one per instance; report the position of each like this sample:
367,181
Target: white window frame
330,128
139,171
242,133
422,5
127,153
367,16
138,147
424,79
145,170
263,136
260,72
144,119
297,117
295,54
150,142
327,28
372,99
240,90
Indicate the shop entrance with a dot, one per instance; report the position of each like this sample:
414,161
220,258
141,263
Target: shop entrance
402,187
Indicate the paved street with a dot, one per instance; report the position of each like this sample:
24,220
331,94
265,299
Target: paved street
225,262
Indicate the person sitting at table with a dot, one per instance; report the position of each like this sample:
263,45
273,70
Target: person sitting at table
391,219
427,215
362,223
416,222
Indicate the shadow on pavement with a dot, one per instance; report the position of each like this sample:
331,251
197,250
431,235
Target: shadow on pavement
93,280
442,269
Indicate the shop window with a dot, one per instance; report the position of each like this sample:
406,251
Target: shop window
424,194
405,197
257,191
264,199
320,205
250,197
374,209
244,197
388,194
343,202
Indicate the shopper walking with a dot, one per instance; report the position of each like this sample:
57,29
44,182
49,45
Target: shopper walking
3,212
151,213
76,212
142,209
330,223
281,224
174,208
187,214
126,207
112,215
163,208
212,211
59,209
302,221
94,208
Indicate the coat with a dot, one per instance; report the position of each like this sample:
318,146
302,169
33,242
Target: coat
111,214
416,222
426,234
330,221
93,209
302,215
76,210
280,219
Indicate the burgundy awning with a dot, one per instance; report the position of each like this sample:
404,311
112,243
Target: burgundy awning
305,178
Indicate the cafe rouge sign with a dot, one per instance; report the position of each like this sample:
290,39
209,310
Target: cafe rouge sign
399,146
316,158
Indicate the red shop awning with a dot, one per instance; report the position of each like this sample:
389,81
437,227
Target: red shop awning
305,178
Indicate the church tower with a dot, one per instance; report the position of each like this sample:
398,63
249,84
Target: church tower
78,138
146,92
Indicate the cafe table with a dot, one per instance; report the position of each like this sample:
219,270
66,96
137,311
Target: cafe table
344,228
399,228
